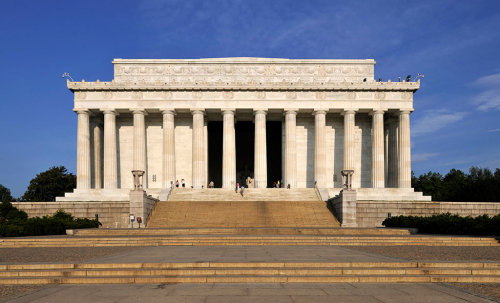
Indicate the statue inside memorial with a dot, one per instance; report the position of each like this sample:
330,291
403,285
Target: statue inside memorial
243,175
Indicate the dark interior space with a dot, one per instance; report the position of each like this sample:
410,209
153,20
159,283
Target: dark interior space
273,140
215,152
245,140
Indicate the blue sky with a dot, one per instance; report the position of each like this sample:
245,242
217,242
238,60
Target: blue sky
455,44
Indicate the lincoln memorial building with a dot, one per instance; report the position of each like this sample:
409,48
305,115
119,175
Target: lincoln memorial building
228,120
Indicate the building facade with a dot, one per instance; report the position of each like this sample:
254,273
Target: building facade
298,121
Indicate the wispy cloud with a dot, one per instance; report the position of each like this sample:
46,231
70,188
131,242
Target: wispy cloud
494,130
435,120
489,99
423,157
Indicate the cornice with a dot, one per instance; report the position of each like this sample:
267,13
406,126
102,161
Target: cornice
228,86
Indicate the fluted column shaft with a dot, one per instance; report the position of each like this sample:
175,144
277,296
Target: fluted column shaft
320,148
260,154
228,150
83,176
349,139
198,149
139,140
378,173
404,150
168,148
290,149
205,135
392,178
97,156
110,155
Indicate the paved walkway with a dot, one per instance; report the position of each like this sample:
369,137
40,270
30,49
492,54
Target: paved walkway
268,293
230,254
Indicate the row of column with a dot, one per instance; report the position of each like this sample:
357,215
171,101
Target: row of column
396,163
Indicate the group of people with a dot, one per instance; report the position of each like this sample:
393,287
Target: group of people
242,189
182,182
280,184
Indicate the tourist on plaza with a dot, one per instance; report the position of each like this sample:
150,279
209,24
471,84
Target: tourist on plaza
237,186
177,183
211,185
183,183
242,189
288,187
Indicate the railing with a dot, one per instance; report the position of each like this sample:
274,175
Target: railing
316,189
156,203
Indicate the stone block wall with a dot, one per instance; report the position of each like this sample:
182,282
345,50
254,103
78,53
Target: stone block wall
373,213
111,214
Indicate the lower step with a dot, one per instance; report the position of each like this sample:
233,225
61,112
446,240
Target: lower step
254,279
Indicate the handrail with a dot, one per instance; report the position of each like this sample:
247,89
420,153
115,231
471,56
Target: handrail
316,189
156,203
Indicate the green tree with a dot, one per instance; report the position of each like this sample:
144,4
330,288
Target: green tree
431,184
48,185
454,184
5,195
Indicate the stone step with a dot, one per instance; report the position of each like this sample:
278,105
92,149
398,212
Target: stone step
250,194
249,214
239,231
356,272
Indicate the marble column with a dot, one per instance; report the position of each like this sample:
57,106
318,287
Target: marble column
320,148
205,135
97,155
110,155
260,154
83,175
392,169
168,148
378,176
404,150
228,150
139,143
386,154
198,149
290,149
349,139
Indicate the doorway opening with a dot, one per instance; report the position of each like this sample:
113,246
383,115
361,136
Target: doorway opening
273,141
215,152
245,148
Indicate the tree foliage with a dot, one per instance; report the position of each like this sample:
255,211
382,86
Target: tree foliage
480,185
48,185
15,223
5,195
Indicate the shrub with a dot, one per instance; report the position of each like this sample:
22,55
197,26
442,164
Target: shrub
15,223
448,224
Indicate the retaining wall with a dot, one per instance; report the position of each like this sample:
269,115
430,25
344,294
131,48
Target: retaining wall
373,213
111,214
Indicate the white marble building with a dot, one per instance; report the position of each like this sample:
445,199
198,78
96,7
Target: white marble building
157,116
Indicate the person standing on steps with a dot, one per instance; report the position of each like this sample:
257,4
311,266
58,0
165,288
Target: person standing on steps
242,190
288,187
237,186
177,183
183,183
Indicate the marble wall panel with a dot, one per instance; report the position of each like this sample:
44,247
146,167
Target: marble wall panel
183,148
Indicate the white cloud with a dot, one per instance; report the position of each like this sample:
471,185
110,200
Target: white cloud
490,98
434,121
494,130
423,157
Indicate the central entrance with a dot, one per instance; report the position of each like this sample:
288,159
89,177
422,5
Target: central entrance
245,148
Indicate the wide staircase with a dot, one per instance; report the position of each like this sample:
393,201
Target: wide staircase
218,217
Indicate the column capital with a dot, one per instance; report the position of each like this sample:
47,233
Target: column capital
138,111
166,111
320,111
260,111
378,111
228,111
349,111
404,111
81,111
290,111
199,111
110,111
